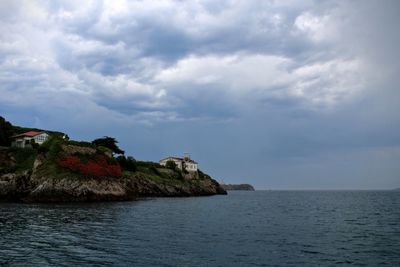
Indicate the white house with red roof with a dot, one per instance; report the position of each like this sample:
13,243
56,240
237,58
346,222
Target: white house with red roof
185,162
24,139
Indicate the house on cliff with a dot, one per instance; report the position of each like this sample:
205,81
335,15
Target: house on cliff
182,163
26,139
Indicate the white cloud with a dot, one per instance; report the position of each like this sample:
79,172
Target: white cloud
328,83
319,28
236,73
321,84
122,88
158,55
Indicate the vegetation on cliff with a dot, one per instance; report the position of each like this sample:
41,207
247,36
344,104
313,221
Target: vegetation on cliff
67,170
16,159
108,142
87,160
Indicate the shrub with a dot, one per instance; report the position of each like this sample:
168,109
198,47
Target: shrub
33,144
79,143
127,164
104,150
72,163
114,170
24,157
96,167
170,164
100,160
92,169
201,174
148,164
52,147
154,170
43,149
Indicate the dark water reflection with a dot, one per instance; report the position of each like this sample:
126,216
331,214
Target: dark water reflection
261,228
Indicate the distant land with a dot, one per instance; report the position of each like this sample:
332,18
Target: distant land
244,187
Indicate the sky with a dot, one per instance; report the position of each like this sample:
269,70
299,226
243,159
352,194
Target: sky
278,94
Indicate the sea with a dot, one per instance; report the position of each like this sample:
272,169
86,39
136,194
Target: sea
244,228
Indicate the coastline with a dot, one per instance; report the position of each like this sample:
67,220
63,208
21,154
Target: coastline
45,181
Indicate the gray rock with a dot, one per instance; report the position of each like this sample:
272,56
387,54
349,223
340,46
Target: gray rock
38,187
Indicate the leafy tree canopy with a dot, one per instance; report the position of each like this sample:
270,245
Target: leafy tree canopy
110,143
170,164
127,164
6,131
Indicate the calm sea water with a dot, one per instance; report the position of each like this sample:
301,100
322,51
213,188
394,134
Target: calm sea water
262,228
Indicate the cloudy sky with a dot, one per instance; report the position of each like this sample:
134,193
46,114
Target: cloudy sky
279,94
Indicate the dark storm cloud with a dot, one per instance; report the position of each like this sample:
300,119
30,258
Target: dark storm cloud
173,30
287,94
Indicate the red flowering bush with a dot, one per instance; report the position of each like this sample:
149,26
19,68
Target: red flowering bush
114,170
72,163
93,169
97,167
100,160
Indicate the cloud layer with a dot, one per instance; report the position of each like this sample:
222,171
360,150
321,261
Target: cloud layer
272,81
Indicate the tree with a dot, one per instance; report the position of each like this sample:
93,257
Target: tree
6,131
130,164
127,164
170,164
33,144
110,143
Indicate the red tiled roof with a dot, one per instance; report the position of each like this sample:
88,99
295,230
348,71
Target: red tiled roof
28,134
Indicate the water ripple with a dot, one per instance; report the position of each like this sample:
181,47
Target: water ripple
271,228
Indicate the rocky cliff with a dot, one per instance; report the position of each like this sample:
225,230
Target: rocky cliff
47,183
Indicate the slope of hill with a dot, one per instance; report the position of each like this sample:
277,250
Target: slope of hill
70,171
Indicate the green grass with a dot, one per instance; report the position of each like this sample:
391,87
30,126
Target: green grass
80,143
148,164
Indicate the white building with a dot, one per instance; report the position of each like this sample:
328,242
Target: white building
24,139
189,164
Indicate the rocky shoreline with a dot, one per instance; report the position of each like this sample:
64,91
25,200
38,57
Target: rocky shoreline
23,187
63,170
38,186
